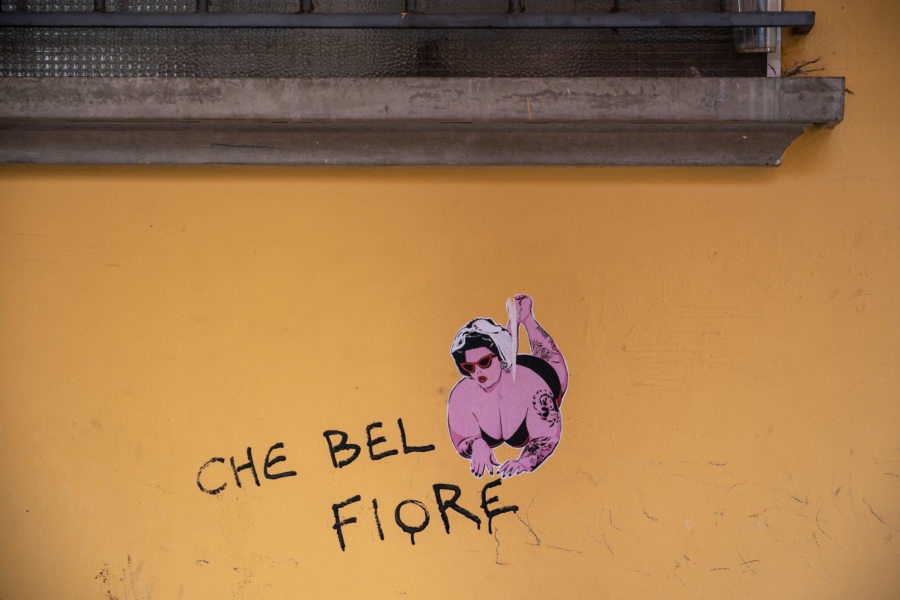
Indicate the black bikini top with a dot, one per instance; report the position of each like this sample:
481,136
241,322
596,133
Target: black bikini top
518,439
546,372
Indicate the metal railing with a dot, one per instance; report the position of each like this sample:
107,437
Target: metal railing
801,21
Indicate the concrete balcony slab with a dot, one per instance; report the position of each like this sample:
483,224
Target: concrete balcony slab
412,121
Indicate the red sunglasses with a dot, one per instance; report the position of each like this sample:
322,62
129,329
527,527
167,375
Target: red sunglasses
484,363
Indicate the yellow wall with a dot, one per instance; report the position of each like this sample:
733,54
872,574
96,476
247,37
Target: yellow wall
730,430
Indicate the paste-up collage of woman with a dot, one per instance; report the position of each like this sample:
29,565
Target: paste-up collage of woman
505,398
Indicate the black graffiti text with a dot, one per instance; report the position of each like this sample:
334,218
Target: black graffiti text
412,516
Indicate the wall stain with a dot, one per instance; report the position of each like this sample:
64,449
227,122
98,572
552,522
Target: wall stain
675,573
103,577
126,578
589,477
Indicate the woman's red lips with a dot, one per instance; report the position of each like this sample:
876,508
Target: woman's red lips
482,379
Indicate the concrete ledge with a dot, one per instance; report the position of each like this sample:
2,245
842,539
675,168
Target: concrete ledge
433,121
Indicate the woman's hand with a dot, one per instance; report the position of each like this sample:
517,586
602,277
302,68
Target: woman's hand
513,467
482,459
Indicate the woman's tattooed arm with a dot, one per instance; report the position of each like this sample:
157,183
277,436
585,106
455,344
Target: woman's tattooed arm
536,451
464,447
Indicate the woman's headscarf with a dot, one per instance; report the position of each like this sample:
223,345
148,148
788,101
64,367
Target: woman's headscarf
487,327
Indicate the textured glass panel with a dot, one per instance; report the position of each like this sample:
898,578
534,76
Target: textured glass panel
322,6
48,5
568,6
462,6
161,52
585,6
255,6
228,52
636,6
84,53
143,6
358,6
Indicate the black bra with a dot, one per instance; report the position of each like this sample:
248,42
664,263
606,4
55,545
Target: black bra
518,439
546,372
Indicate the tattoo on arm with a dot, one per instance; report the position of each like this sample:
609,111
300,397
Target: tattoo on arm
545,347
545,406
536,451
465,446
541,352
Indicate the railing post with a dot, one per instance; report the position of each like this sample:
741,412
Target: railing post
754,39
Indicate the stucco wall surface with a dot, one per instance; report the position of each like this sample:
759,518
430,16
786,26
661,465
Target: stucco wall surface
731,424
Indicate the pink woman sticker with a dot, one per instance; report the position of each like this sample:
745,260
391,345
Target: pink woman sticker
505,398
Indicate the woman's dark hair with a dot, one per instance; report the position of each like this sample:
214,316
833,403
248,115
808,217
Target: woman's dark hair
473,340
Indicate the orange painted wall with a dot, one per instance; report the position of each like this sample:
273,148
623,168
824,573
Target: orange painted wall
730,431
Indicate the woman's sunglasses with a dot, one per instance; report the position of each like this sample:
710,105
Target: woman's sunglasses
484,363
